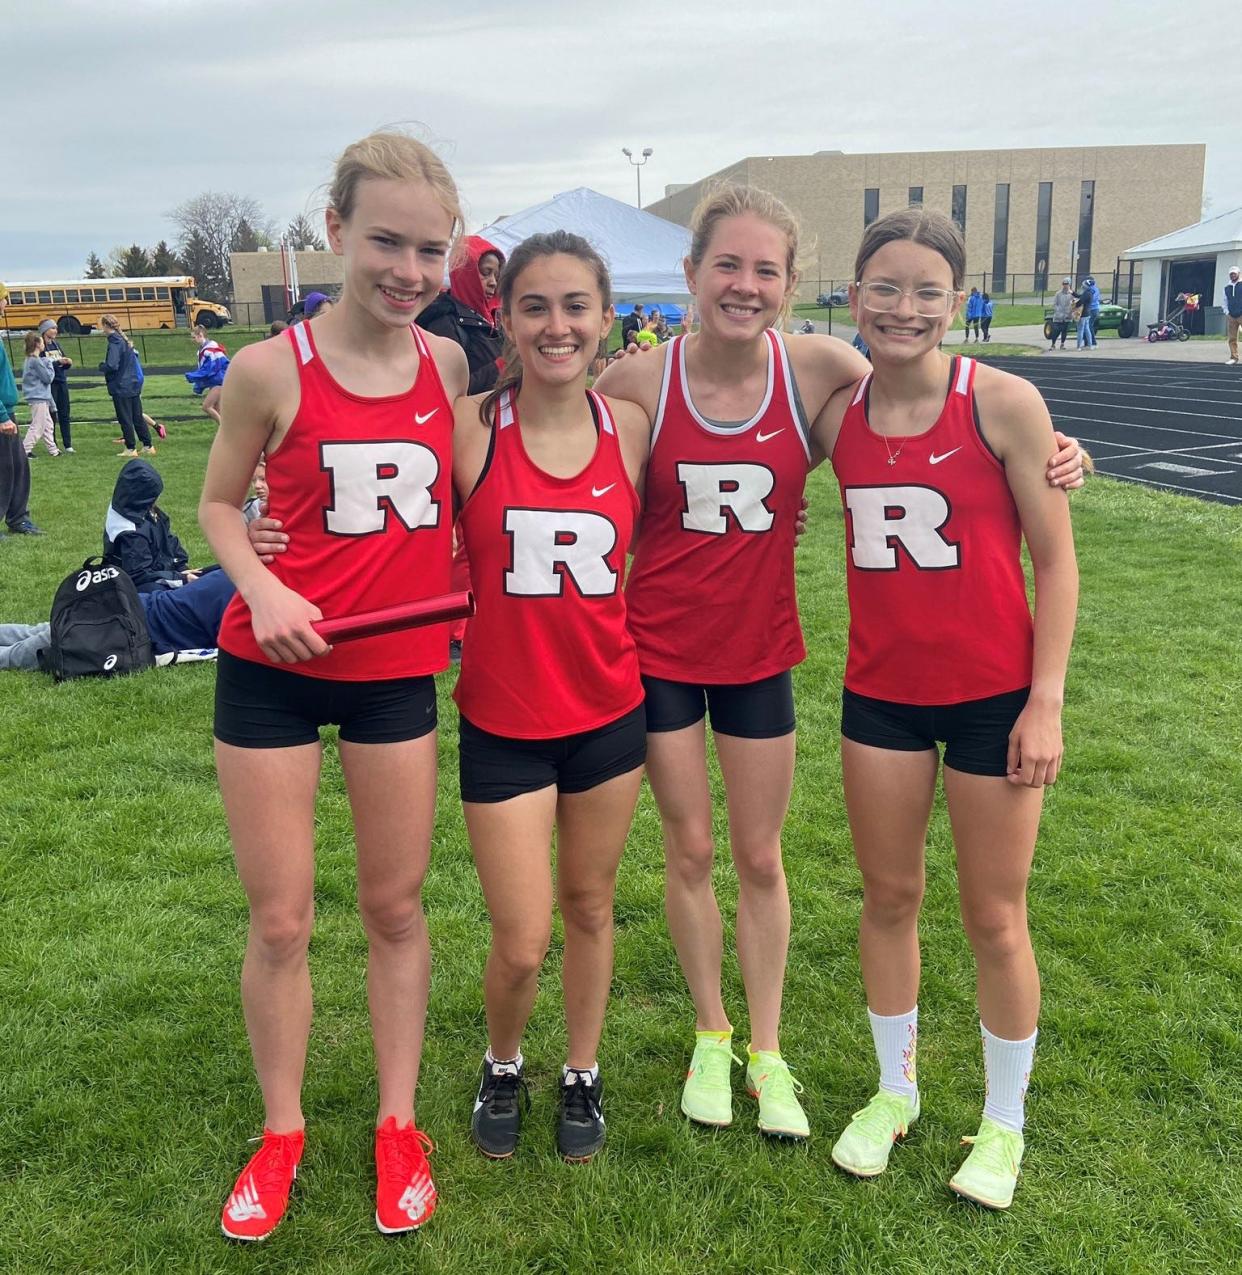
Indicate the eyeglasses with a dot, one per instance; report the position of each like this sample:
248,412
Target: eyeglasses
929,303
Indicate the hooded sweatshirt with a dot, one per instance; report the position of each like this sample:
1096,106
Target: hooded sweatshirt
465,314
138,537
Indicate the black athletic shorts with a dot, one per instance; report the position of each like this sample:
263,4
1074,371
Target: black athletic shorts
496,767
259,706
975,733
751,710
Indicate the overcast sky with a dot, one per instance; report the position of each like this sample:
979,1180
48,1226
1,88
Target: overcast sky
123,109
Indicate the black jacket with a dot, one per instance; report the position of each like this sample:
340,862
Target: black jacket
138,537
446,316
1233,299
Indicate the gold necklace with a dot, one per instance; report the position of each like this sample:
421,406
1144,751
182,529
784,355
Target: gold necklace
892,455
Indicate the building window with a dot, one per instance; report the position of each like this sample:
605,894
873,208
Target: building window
1000,238
959,207
916,196
1086,219
871,205
1043,235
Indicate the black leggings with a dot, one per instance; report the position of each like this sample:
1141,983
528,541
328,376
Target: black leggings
987,323
129,417
60,396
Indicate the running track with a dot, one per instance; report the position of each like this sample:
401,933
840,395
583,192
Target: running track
1175,426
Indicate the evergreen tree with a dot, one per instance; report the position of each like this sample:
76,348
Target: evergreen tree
164,260
244,238
132,263
301,235
95,268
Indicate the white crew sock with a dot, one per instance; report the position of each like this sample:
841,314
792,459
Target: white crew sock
896,1039
513,1064
592,1072
1006,1073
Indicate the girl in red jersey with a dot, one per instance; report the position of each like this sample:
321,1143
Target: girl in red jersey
940,463
714,612
553,734
354,416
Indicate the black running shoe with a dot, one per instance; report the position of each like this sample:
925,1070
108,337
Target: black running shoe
498,1109
580,1125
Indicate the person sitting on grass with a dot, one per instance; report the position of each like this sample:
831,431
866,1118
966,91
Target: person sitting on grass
177,620
138,535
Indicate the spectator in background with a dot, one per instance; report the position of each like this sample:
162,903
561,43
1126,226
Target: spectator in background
466,311
208,377
1233,312
37,376
60,385
138,535
1062,312
278,326
120,369
14,463
974,311
1089,307
646,335
315,303
631,325
985,315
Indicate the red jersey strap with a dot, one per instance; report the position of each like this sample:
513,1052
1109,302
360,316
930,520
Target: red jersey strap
299,338
605,416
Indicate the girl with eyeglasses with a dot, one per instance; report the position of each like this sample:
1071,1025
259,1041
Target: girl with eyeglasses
712,606
940,462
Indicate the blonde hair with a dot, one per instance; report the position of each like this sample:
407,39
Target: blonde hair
731,200
394,156
112,322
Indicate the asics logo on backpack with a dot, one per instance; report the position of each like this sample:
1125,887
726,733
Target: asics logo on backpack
87,578
110,662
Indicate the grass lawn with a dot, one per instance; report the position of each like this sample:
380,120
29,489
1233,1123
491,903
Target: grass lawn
126,1091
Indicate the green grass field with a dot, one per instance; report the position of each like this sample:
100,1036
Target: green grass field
126,1091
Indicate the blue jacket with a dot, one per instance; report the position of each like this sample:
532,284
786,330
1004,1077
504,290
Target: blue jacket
120,369
985,309
974,306
1233,299
8,387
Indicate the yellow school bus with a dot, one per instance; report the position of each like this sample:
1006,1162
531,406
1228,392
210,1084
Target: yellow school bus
163,301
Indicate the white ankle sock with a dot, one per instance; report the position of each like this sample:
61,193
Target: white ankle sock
592,1071
515,1062
896,1038
1006,1073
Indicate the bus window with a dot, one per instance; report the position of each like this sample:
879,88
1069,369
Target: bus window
101,296
148,294
162,293
58,296
45,298
178,300
71,296
116,294
133,294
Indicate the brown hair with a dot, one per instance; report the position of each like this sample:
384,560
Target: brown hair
552,244
114,324
33,341
395,156
918,225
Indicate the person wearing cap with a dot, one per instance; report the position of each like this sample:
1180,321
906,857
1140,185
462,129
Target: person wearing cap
1233,312
316,303
61,363
14,463
1062,312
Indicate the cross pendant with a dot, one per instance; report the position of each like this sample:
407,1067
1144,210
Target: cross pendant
892,460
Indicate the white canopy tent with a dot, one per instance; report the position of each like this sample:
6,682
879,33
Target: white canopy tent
643,252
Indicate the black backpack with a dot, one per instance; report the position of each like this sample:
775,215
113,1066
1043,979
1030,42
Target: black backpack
99,628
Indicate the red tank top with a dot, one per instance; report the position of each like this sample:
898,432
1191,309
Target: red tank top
363,487
711,591
548,653
938,609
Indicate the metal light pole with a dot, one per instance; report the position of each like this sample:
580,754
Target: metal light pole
638,168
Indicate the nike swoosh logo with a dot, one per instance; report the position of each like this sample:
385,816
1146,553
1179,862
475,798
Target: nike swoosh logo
425,417
602,491
763,438
935,460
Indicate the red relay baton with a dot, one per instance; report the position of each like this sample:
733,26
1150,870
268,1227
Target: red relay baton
404,615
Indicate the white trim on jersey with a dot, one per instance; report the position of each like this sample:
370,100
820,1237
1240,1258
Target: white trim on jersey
504,410
963,376
799,424
861,391
424,350
605,416
669,351
732,431
301,338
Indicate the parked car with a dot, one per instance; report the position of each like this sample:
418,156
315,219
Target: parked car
1111,316
838,296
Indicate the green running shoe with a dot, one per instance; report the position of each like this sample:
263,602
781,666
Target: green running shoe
991,1170
864,1147
780,1113
707,1096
